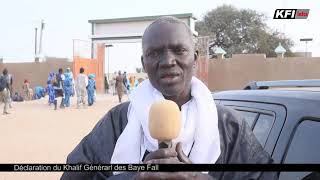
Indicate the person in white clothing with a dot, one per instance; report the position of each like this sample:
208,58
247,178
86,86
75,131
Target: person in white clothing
81,84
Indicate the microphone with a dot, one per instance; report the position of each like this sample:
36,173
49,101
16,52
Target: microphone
164,122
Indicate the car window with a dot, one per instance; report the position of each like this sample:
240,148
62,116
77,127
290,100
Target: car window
304,148
276,113
249,117
262,127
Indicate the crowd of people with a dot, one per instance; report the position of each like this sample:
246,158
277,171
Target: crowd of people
122,84
30,94
7,95
63,85
59,85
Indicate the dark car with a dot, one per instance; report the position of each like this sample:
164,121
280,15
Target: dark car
284,116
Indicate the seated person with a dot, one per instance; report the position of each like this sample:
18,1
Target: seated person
17,98
39,92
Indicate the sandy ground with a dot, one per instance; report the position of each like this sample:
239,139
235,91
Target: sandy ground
35,133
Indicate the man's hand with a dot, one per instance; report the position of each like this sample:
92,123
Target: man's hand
170,156
162,156
173,176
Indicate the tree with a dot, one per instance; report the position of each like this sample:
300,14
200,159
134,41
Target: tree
241,31
138,70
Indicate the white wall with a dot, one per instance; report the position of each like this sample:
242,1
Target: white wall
123,29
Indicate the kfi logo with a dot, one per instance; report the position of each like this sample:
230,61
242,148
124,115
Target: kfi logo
291,14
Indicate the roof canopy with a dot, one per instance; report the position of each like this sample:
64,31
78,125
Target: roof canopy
280,49
219,50
141,18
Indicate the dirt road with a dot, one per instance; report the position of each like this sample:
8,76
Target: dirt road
35,133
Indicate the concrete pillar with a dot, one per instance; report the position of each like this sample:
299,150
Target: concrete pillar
220,53
280,55
220,56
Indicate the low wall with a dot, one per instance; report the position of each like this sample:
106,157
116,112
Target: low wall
236,72
36,73
217,74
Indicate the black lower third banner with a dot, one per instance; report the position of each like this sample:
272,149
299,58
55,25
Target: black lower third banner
156,167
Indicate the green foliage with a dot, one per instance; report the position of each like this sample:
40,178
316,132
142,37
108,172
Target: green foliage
241,31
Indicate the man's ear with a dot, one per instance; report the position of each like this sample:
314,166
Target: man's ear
196,55
144,69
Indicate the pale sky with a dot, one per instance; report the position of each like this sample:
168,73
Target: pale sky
68,19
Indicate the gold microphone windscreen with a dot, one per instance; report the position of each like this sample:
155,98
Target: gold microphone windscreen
164,120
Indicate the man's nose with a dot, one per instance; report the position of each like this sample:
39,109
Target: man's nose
168,59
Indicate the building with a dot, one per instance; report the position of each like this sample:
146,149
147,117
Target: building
117,30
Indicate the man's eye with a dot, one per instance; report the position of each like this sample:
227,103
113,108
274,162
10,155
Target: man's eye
153,54
181,51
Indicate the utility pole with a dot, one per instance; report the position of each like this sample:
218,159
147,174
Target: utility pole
35,41
41,31
306,40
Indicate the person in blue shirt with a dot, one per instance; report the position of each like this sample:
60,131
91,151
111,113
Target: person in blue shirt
67,88
68,71
50,89
91,89
39,92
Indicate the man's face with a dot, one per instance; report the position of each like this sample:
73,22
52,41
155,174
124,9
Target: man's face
168,58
